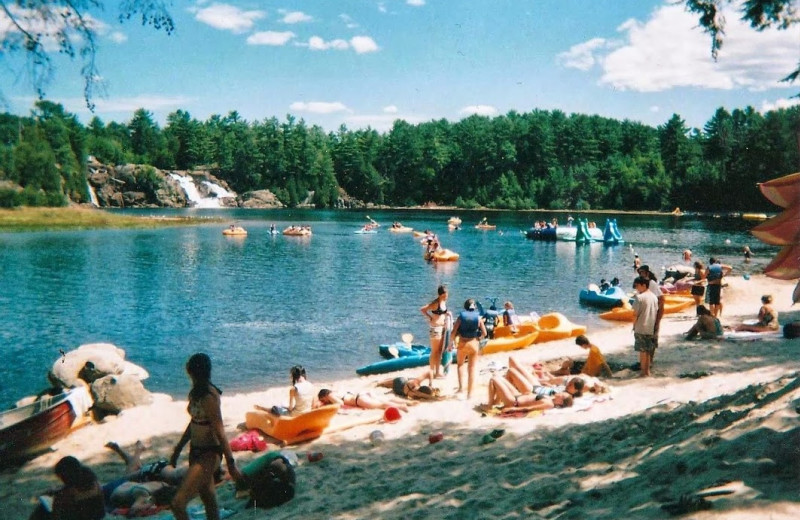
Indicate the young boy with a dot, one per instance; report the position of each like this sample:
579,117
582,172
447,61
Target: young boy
595,364
645,310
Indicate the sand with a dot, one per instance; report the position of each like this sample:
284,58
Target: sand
733,433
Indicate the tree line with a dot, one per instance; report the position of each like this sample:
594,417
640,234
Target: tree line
539,159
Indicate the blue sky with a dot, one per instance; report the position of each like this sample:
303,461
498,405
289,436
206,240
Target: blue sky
368,62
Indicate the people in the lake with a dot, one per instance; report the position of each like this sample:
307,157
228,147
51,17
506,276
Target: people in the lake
436,314
208,442
706,326
767,318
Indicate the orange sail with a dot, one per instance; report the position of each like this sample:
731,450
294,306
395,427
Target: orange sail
783,191
782,230
786,264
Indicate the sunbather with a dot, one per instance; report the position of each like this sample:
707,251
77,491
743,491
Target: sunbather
767,318
412,388
527,381
365,400
501,391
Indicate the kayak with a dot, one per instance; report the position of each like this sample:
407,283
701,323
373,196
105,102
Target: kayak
783,191
400,349
296,232
365,231
291,429
395,364
505,340
672,303
608,299
487,227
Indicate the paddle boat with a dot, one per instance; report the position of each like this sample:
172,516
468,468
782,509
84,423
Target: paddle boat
291,429
555,326
514,337
485,226
234,231
441,255
297,231
612,297
31,429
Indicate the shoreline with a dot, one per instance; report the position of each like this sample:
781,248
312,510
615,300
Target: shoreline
616,456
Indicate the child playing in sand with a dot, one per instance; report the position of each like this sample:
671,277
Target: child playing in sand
594,365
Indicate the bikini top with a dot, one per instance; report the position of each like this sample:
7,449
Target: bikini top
441,309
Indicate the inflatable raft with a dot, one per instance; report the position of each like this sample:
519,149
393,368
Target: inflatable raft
555,326
291,429
234,231
441,255
672,303
505,340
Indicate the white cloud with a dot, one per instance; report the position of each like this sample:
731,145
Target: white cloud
315,43
416,3
294,16
363,44
481,110
227,17
127,104
319,107
582,55
118,37
380,122
669,50
655,108
390,109
348,21
382,7
767,106
57,19
270,38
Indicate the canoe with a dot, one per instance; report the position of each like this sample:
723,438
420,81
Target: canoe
234,232
395,364
555,326
754,216
672,303
783,191
505,340
29,430
400,349
442,255
608,299
487,227
782,230
401,229
291,429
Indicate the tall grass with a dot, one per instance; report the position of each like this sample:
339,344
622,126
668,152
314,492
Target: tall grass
36,219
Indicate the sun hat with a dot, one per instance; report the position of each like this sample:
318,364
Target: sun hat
391,415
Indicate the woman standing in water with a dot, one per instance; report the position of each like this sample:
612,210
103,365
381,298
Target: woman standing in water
436,313
208,442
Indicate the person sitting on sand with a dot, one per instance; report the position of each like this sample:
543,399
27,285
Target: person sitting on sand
707,326
365,400
594,365
81,497
767,318
501,391
412,388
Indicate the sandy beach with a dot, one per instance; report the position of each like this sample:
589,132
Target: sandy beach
718,417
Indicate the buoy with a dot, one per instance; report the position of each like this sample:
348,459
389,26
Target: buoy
727,240
664,241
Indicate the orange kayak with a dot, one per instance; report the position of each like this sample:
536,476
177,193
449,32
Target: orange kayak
556,326
672,303
505,340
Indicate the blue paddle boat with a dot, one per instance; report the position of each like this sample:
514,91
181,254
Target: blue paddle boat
607,299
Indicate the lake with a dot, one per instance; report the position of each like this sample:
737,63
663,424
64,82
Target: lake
260,304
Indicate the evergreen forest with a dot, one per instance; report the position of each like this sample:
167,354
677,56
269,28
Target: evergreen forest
533,160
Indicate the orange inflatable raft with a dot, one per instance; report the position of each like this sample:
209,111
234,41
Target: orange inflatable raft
291,429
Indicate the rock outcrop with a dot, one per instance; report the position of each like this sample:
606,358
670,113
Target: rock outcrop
260,199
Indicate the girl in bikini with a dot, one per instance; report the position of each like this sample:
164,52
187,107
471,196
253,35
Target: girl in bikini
436,313
209,444
365,400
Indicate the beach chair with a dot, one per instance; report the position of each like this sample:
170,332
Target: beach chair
290,429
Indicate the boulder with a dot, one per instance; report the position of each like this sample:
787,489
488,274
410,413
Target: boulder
104,359
114,393
259,199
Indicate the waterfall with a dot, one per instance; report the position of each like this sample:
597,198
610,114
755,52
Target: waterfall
92,195
193,194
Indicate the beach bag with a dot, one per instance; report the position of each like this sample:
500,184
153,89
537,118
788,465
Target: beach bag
791,330
271,480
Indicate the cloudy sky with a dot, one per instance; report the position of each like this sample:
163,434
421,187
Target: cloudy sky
368,62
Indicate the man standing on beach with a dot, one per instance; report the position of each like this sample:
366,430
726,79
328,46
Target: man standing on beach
652,285
645,311
714,274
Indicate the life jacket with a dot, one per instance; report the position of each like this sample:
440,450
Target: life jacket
470,321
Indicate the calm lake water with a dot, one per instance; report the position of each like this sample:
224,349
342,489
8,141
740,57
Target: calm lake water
262,303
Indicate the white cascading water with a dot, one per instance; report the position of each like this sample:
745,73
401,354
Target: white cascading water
92,195
193,194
